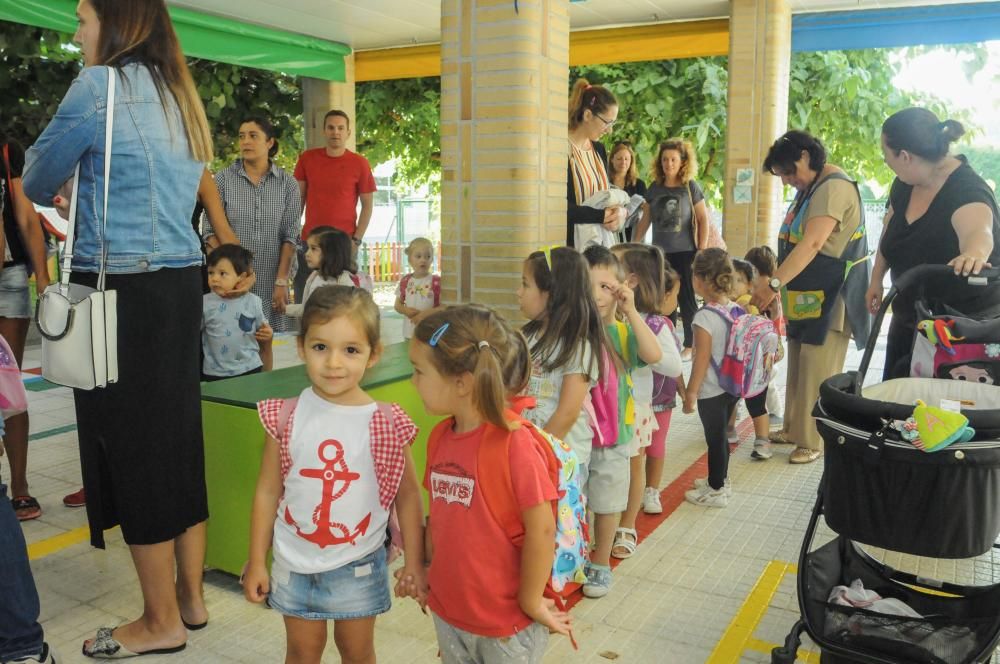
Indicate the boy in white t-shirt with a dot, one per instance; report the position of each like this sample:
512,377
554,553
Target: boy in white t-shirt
419,291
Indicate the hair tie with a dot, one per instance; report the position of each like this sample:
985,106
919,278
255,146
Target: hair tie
484,344
589,86
593,100
438,333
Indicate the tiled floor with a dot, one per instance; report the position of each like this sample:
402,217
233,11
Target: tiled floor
706,585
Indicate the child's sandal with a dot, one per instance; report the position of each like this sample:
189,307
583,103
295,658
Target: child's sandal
626,541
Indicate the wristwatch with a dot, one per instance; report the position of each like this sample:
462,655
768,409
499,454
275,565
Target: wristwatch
774,284
356,239
281,282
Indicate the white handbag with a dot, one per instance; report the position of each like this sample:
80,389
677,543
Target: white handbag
79,324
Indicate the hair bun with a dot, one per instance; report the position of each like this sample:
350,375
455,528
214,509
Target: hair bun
952,130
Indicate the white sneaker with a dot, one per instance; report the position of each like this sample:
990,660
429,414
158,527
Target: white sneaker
651,501
707,497
761,450
732,437
701,484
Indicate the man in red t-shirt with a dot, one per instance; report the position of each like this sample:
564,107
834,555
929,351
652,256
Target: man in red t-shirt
332,179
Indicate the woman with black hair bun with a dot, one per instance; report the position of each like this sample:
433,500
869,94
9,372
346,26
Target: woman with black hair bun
940,213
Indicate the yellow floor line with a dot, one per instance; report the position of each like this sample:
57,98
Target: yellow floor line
740,631
48,546
763,646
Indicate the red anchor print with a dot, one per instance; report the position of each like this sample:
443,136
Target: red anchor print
334,470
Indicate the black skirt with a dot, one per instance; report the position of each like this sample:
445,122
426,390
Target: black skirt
141,445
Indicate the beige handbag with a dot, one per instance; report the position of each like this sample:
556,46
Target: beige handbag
79,324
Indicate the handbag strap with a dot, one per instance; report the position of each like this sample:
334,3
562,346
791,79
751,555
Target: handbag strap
67,263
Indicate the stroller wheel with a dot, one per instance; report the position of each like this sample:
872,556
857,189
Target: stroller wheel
782,655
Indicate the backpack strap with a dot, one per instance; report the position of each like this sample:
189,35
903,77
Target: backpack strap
355,279
285,420
403,283
497,486
436,289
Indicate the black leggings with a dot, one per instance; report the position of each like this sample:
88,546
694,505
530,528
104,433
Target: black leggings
757,405
681,262
715,413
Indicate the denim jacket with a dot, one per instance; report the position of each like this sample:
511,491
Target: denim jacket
154,178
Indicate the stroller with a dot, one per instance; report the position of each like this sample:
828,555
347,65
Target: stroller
881,491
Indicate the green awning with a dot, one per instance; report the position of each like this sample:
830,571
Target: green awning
211,38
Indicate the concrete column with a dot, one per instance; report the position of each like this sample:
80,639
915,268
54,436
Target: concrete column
504,82
760,39
320,96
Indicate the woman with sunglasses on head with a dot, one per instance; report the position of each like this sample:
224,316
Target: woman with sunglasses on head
821,240
593,111
677,212
623,173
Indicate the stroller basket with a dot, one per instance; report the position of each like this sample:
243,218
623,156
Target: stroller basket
960,624
884,492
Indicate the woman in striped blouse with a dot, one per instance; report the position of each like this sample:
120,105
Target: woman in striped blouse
593,111
264,208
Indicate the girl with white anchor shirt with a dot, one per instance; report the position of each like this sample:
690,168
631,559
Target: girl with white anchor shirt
334,464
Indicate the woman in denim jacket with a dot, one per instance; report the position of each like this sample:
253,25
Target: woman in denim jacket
141,446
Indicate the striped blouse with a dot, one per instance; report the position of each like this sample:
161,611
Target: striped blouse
589,173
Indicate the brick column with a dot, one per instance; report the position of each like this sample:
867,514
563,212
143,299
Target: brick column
760,39
504,83
320,96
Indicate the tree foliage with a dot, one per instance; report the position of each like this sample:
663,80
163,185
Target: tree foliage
37,67
401,120
842,97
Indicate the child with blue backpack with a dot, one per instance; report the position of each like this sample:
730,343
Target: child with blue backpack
645,274
633,345
487,590
712,276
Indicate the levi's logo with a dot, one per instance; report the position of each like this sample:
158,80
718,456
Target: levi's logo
452,488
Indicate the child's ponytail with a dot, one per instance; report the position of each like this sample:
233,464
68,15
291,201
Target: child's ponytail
471,339
714,267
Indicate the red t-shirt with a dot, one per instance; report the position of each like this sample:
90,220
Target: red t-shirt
476,570
333,185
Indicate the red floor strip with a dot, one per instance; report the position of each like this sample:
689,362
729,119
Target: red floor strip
670,498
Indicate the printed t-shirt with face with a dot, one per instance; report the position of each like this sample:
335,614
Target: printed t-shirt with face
419,295
333,185
330,513
672,212
228,326
712,323
546,386
475,573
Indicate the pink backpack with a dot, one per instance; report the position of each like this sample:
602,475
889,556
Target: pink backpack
13,398
751,351
602,405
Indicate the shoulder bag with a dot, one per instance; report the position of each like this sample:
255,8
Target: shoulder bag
79,324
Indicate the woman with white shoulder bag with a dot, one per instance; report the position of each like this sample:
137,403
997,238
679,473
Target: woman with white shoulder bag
133,128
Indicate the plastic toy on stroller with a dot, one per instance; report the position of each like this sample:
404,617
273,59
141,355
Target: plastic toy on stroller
881,490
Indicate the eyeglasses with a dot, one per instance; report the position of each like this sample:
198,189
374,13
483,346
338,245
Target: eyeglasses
607,123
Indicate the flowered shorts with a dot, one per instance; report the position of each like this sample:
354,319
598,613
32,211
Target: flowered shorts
645,425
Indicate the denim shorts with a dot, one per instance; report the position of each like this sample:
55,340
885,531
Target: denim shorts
15,300
359,589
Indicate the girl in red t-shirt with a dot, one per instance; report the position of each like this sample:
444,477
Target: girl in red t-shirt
486,592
